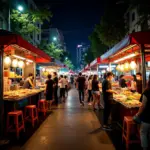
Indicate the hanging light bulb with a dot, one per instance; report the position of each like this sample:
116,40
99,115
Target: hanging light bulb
15,63
133,65
27,63
126,66
118,67
7,60
21,64
43,69
122,67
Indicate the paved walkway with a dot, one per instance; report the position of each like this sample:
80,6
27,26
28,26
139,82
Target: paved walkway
70,127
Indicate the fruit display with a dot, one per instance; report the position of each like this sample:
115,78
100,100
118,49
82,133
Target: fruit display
19,94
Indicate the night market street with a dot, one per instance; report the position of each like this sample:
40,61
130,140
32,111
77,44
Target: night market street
69,127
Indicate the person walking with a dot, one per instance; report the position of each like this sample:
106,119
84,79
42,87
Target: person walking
144,116
90,90
62,88
107,97
55,79
96,92
49,90
81,88
66,85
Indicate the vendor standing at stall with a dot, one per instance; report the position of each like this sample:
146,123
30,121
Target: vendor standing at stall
55,79
122,82
139,82
108,98
28,83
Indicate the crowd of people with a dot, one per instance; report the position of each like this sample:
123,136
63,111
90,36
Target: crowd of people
135,85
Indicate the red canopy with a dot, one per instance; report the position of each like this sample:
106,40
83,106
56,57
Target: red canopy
131,43
9,38
95,62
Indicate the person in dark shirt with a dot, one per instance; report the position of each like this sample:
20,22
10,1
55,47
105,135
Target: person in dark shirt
122,82
49,91
139,82
96,92
81,88
144,115
55,79
107,97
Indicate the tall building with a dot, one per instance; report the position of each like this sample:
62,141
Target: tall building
81,52
35,37
5,10
54,35
132,19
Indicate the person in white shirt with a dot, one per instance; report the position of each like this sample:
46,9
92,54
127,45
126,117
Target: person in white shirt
62,82
89,87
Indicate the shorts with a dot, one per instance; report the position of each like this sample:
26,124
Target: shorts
62,92
49,96
96,92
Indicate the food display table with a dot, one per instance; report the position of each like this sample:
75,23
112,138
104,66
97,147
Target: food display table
127,104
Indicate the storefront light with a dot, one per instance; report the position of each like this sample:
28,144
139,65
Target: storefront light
15,63
29,60
21,64
127,67
7,60
133,65
19,57
122,67
124,58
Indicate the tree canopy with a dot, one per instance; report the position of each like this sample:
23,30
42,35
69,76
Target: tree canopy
26,23
69,64
51,49
111,28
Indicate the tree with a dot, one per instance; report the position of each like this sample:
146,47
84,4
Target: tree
68,63
51,49
112,26
25,23
97,47
88,58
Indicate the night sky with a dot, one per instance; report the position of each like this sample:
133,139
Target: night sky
76,19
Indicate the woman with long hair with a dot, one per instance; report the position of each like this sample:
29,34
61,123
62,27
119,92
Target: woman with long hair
96,92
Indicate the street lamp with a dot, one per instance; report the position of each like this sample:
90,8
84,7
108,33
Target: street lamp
66,58
54,39
19,8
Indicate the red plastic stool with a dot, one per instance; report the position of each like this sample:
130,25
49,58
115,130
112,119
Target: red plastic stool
42,106
33,115
18,126
128,127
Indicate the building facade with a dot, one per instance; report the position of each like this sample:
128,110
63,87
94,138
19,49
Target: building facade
81,52
35,37
132,20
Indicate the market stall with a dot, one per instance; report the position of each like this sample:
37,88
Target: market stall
18,58
131,55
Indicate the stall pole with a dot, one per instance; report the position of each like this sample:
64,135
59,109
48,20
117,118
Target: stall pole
1,91
110,67
143,66
97,69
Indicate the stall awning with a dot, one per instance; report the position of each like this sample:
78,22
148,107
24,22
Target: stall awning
95,62
132,42
87,67
8,38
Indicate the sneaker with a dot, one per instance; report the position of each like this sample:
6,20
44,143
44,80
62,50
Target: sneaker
89,104
107,128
